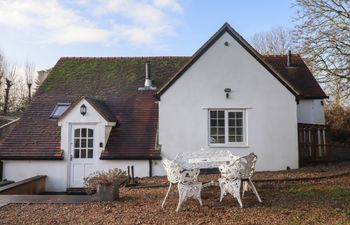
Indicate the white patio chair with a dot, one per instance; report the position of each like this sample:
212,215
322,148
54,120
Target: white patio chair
189,187
186,180
247,168
173,172
230,182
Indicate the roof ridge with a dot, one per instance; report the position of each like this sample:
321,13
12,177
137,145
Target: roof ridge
280,55
123,57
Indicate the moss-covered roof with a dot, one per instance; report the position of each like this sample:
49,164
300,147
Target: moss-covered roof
115,81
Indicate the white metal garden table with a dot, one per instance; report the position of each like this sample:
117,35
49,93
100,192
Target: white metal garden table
205,159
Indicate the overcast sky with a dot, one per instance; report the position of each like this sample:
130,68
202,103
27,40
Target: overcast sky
45,30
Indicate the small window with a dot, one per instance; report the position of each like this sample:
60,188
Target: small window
227,127
59,109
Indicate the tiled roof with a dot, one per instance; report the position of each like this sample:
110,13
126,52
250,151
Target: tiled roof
113,81
297,74
98,105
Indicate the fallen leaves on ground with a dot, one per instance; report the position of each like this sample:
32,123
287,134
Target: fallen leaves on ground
325,201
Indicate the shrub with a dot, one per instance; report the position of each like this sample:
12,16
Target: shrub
112,176
338,120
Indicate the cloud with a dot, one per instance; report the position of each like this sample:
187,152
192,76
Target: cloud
85,21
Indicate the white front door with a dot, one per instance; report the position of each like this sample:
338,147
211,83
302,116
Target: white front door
83,153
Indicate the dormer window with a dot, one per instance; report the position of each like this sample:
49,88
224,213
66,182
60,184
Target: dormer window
59,109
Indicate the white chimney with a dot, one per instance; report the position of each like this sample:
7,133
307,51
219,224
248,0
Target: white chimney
148,80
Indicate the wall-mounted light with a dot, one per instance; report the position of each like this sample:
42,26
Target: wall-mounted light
226,43
83,109
227,91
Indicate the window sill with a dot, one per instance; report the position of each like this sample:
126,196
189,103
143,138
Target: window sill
229,146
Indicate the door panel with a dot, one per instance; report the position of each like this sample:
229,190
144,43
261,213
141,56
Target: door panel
82,154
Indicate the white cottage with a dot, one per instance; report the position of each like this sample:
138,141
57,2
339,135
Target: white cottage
100,113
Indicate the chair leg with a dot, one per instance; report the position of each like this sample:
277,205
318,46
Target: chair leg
166,196
254,190
182,194
222,191
239,201
237,194
245,187
200,196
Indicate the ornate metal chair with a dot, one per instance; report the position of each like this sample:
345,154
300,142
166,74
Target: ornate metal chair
188,185
247,168
173,171
230,181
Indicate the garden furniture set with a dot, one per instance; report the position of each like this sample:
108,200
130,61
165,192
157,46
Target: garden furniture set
235,173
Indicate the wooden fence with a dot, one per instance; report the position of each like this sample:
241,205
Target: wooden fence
312,144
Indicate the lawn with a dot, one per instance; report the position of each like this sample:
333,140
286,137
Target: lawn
324,201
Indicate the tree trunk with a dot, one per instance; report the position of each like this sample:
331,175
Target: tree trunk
7,96
29,93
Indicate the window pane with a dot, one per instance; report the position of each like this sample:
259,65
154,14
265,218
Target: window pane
76,143
83,153
221,131
221,139
221,114
90,143
231,139
91,133
221,122
213,139
231,131
213,131
77,133
213,122
239,122
239,114
213,114
83,143
90,153
239,131
76,153
232,122
231,115
239,139
83,132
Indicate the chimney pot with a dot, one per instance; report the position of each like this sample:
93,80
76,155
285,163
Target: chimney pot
148,79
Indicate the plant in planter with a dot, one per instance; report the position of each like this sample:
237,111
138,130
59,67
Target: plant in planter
106,183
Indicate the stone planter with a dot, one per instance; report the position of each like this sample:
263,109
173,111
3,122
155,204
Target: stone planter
107,192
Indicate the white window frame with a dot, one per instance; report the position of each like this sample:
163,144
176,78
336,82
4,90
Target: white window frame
244,143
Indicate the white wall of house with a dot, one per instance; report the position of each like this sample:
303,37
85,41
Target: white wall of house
57,170
311,111
270,107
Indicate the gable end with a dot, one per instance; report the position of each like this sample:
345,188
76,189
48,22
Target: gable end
227,28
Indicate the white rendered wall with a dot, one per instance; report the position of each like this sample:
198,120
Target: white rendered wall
56,171
271,108
311,111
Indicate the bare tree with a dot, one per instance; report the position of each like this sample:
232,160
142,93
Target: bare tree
3,67
10,77
29,72
42,75
278,40
323,34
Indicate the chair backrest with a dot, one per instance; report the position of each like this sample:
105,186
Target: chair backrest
188,176
230,171
247,165
173,170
